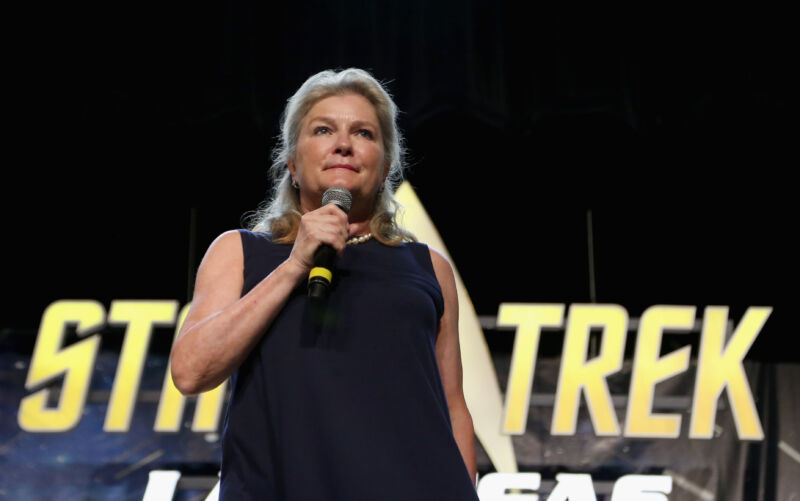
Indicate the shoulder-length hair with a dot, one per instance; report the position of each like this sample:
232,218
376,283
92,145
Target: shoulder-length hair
280,214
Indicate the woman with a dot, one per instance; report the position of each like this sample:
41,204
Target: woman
360,398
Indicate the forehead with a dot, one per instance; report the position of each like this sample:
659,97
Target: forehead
346,106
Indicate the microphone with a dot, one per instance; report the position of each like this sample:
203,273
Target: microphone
319,278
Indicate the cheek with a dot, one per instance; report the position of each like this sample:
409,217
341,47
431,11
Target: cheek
307,153
376,156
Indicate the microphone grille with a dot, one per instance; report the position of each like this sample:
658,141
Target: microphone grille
339,196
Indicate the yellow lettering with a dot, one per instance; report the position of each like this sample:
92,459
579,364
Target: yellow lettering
140,316
172,403
578,374
49,360
529,320
719,368
649,369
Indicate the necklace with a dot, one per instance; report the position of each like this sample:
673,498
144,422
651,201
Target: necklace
359,240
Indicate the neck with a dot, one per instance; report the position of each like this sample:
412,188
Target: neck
358,228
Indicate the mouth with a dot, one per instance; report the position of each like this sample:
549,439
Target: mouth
342,166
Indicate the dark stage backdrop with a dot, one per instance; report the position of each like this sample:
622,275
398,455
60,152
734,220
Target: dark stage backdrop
627,157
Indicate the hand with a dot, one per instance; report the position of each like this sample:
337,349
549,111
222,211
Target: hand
326,225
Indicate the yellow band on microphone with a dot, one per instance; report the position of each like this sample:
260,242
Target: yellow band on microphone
318,271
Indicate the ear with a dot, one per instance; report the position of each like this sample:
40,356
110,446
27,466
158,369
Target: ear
292,169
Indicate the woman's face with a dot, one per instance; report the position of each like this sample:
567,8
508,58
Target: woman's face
340,144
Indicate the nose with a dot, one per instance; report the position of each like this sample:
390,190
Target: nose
343,144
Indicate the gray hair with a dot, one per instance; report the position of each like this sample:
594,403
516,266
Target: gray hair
280,214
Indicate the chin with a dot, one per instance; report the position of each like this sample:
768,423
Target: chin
347,184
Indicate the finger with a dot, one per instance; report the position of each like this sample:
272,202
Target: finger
329,234
334,210
324,218
331,209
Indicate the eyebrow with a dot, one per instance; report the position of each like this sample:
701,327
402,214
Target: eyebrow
329,120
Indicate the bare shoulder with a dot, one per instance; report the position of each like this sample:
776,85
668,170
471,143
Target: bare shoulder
219,278
441,265
227,246
444,274
223,262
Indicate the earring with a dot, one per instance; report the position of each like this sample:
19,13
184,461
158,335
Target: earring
295,185
380,190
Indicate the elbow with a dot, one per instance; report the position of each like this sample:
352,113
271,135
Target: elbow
191,373
182,379
184,370
185,386
191,383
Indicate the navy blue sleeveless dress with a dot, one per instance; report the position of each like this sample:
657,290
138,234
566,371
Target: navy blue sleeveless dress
345,402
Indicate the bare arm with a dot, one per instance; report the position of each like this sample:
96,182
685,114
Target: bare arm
448,355
221,327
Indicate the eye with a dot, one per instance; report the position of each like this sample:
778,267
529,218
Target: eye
321,130
366,133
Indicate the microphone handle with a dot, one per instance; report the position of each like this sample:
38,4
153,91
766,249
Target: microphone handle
319,279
